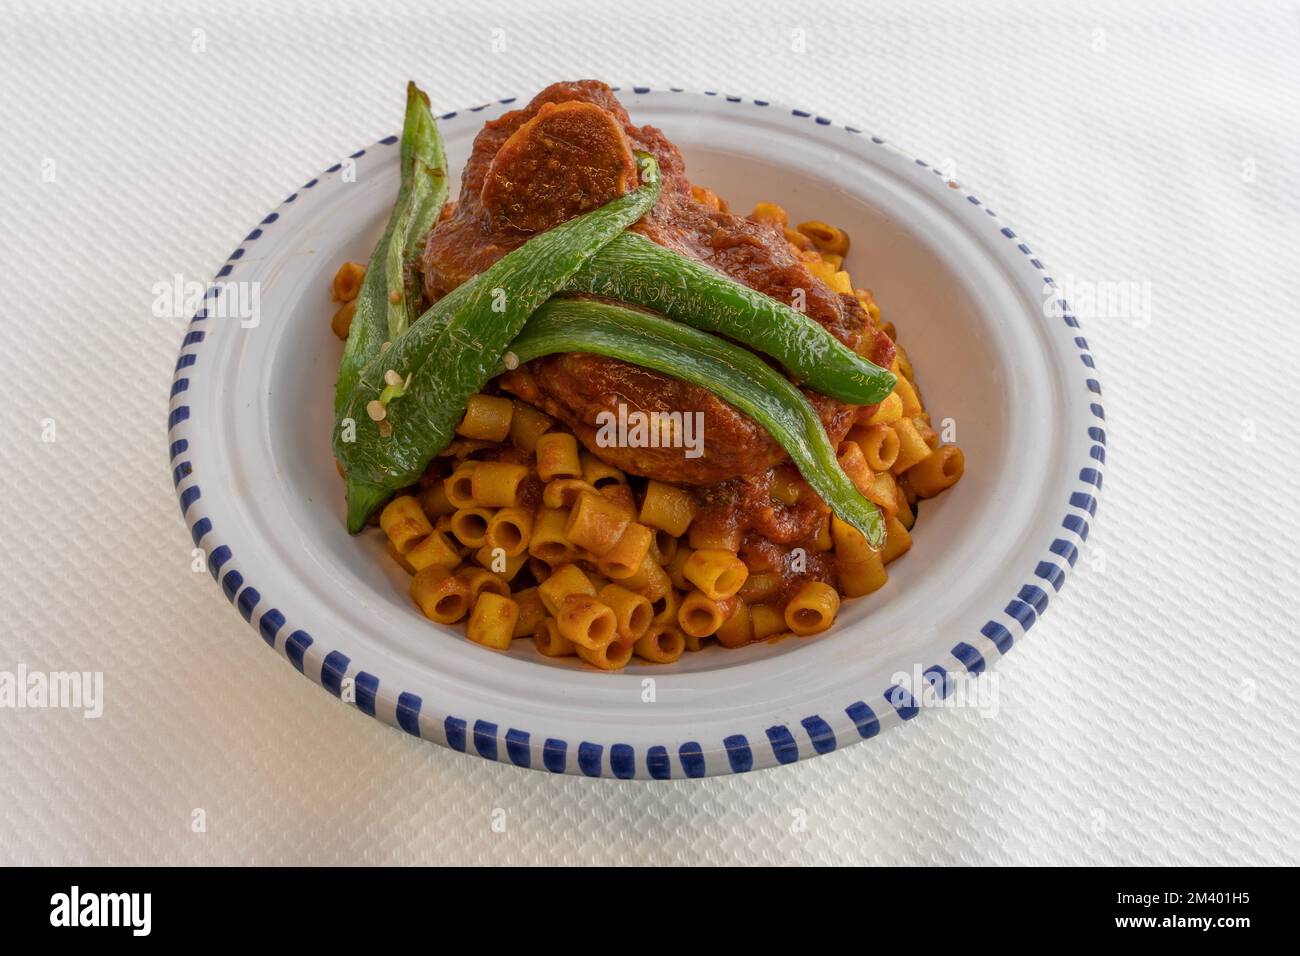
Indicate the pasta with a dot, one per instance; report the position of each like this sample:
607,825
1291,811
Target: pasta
812,609
787,486
564,581
434,500
675,567
664,548
549,541
667,508
507,569
827,238
620,495
557,456
725,537
595,523
890,410
879,445
609,657
531,611
458,487
487,418
481,580
906,516
859,578
341,323
527,425
766,620
662,644
586,621
883,491
399,558
470,526
632,612
433,549
509,529
938,471
405,523
700,615
854,464
897,541
549,641
738,629
718,574
440,595
563,492
912,448
651,580
597,473
492,622
347,281
769,212
666,607
496,484
760,587
628,554
539,569
694,643
850,546
910,401
823,540
521,532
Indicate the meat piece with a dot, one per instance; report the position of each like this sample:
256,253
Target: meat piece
471,240
567,152
577,387
568,159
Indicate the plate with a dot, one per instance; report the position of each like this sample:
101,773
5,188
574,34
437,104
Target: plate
1002,362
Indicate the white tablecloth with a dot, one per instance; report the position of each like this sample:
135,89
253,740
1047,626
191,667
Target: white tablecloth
1149,718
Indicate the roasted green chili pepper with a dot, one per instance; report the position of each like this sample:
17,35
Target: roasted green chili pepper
455,347
634,269
732,373
423,205
419,200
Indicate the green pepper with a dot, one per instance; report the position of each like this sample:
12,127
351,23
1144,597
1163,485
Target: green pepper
455,347
421,196
732,373
634,269
424,202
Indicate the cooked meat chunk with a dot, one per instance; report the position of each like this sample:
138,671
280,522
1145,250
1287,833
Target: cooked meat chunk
577,387
568,159
569,151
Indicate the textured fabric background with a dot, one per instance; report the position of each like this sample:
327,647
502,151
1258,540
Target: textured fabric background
1150,718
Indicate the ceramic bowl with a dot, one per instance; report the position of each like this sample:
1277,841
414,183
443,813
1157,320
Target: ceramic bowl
1001,361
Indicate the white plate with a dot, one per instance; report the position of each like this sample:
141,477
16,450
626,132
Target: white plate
250,429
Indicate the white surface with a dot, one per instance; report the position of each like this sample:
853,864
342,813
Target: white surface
1148,718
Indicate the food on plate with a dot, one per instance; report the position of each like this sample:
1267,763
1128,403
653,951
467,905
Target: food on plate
590,406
